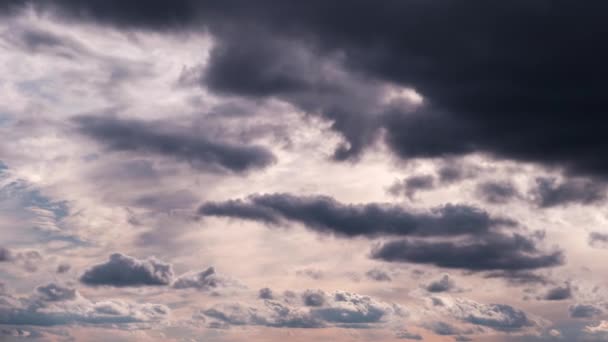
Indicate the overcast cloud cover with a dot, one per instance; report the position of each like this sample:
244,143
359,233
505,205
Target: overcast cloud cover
303,170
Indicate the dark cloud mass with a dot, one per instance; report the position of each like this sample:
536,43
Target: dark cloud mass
326,215
550,193
123,270
491,252
130,135
530,91
411,185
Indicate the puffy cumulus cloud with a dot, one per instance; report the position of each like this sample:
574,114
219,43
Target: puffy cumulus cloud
499,317
123,270
326,215
483,253
344,309
56,305
549,192
155,138
444,284
442,328
207,280
497,192
584,311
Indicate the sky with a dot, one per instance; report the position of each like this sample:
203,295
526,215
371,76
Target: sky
201,170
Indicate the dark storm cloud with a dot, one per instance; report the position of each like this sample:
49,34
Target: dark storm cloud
584,311
445,284
490,252
411,185
497,192
326,215
123,270
200,152
596,240
558,293
530,91
550,193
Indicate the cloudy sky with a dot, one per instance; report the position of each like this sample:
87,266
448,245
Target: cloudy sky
303,170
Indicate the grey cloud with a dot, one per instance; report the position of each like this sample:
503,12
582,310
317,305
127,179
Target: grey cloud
406,335
123,270
154,138
442,328
265,293
497,192
63,268
411,185
584,311
53,307
500,317
207,280
598,240
326,215
5,254
558,293
512,80
444,284
313,298
491,252
53,292
550,193
310,273
343,309
378,275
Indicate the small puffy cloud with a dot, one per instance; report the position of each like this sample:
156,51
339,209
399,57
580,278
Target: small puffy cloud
497,192
558,293
265,293
411,185
207,280
444,284
500,317
123,270
378,275
598,240
584,311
